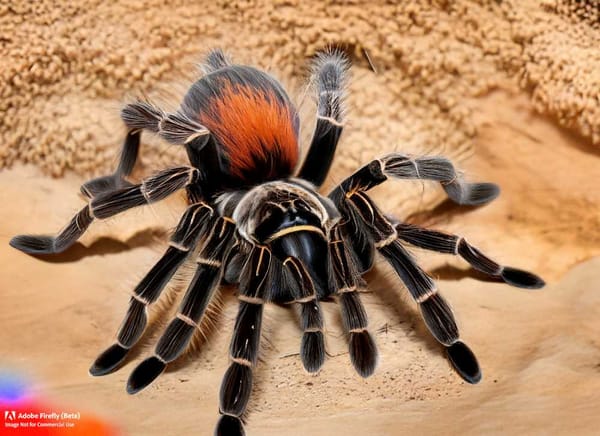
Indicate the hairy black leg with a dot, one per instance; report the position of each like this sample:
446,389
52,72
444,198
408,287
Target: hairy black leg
112,194
400,166
183,240
329,73
456,245
178,333
137,116
175,127
359,244
427,168
362,348
237,382
142,115
105,205
435,311
152,189
129,154
312,348
43,244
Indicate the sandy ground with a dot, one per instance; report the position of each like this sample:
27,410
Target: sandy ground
539,350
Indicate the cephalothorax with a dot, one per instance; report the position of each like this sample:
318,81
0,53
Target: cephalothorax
261,224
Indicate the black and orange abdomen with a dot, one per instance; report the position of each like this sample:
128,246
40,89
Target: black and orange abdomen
252,120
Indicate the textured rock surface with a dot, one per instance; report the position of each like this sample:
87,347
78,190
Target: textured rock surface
66,65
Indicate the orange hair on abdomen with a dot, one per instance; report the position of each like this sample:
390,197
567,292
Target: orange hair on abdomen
256,129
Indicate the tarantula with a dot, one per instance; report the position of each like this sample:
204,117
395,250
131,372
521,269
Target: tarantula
253,223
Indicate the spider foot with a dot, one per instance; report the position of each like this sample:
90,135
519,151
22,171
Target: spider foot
464,362
312,351
103,184
144,374
363,353
472,194
44,244
229,426
34,244
521,279
109,360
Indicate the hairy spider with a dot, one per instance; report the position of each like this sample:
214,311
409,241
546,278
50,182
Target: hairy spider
268,231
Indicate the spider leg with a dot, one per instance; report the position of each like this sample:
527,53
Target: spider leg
43,244
151,190
456,245
403,167
312,348
237,381
154,188
184,239
129,154
137,116
435,311
362,348
178,333
359,245
427,168
142,115
330,74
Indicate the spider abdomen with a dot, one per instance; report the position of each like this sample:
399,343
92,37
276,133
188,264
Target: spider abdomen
252,120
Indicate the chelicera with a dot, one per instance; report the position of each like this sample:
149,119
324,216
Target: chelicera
256,219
